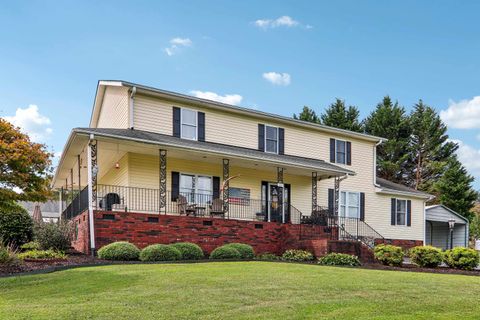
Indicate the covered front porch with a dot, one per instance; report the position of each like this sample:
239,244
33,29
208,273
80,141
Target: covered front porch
135,171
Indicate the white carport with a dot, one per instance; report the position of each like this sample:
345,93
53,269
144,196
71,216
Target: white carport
437,230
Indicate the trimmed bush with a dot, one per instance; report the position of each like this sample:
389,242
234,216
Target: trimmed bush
42,254
267,256
53,235
16,225
32,245
389,255
225,252
426,256
120,251
297,255
189,251
461,258
245,250
339,259
160,252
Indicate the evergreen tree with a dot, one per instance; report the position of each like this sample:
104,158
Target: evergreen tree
454,188
339,116
307,114
389,121
430,149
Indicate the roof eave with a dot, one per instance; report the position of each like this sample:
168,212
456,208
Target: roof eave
405,193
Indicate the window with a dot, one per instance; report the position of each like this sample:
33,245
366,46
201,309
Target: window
350,204
401,212
188,122
271,139
196,188
341,152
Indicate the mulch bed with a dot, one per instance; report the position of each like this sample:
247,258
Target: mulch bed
76,260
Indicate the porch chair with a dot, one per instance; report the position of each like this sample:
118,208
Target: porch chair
216,208
184,207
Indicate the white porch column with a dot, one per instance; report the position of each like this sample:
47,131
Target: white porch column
92,177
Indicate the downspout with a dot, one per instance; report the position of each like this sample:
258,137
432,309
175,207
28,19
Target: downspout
375,163
131,105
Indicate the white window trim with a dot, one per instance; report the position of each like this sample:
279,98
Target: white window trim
265,137
196,124
396,212
336,151
347,204
196,177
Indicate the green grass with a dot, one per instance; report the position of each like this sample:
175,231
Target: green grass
238,290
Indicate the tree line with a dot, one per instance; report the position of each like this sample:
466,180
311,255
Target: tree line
418,152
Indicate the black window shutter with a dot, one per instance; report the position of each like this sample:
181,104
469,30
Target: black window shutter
261,137
216,187
331,197
332,150
362,206
176,122
393,211
201,126
349,153
281,141
175,185
409,213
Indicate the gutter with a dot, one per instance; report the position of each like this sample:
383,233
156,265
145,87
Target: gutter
133,91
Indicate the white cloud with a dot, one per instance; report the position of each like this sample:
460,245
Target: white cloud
283,21
30,121
234,99
478,136
464,114
176,44
469,156
279,79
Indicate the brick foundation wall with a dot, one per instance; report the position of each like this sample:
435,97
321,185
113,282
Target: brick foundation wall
353,248
81,240
405,244
209,233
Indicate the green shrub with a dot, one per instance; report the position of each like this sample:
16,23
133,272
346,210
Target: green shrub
426,256
16,225
189,251
160,252
461,258
8,256
339,259
225,252
267,256
42,254
53,235
120,251
32,245
389,255
245,250
297,255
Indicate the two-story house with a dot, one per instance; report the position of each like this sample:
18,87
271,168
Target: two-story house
158,167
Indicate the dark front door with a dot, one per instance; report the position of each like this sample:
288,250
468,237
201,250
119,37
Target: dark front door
278,204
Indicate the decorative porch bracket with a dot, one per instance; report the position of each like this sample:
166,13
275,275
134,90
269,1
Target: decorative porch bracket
163,181
94,169
280,184
337,193
226,185
314,190
280,176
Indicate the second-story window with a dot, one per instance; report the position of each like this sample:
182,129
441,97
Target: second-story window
189,124
341,152
271,139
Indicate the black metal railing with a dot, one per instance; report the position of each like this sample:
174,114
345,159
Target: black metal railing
343,228
147,200
78,203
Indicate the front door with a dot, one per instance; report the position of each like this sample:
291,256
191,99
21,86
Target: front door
278,204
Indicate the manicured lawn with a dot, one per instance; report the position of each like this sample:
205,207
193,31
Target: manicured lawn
238,290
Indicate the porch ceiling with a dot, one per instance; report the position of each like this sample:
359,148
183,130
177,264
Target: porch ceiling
114,143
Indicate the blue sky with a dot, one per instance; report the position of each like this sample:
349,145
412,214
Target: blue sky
270,55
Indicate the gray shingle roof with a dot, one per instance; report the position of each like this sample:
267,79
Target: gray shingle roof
399,187
49,208
162,139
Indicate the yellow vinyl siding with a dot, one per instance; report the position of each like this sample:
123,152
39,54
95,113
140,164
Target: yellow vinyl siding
117,177
114,111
